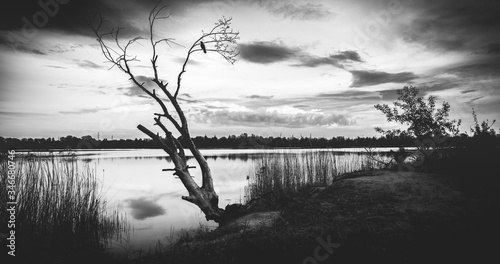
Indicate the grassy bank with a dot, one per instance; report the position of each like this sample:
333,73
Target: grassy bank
61,216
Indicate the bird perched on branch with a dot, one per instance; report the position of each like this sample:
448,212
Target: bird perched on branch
203,47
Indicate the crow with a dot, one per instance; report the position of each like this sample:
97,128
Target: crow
203,47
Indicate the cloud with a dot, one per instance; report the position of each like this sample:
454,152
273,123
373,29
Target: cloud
306,11
254,96
476,69
452,25
369,78
271,117
467,91
134,91
339,59
350,95
25,49
347,55
72,17
55,66
189,101
22,114
424,90
266,52
62,48
494,48
475,99
87,64
18,46
227,106
479,71
85,111
187,98
143,208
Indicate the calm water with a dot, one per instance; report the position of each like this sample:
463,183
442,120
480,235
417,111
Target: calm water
133,182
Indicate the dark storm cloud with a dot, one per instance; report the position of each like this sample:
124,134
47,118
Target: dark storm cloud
493,48
477,68
451,24
368,78
479,71
266,52
71,16
263,119
143,208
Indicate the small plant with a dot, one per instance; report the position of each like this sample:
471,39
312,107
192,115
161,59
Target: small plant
483,130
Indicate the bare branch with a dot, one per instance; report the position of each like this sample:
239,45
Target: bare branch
221,36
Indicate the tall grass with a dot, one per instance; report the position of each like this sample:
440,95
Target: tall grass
60,212
284,172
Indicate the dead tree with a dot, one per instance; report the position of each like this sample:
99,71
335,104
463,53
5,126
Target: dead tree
219,39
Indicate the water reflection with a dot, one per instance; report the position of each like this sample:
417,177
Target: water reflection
142,208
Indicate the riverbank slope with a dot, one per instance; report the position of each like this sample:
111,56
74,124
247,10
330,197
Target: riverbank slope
403,217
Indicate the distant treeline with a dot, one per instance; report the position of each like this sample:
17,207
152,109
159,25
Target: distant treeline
233,142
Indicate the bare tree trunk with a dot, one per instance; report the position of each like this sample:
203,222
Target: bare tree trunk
217,40
205,197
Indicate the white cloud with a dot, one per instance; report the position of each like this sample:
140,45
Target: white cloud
283,116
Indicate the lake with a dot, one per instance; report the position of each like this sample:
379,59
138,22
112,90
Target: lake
133,183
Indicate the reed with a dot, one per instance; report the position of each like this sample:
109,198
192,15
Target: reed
285,172
60,211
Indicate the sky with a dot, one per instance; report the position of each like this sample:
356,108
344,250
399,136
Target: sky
305,68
